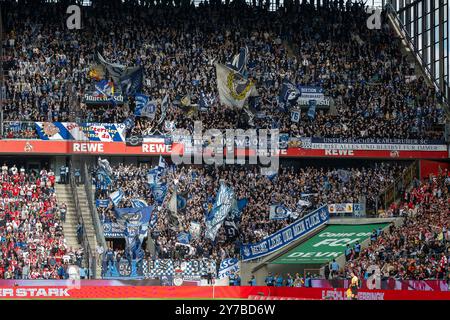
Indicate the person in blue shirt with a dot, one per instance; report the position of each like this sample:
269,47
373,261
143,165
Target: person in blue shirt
237,279
334,268
379,231
373,236
279,280
252,281
231,279
82,273
289,280
308,280
269,280
357,249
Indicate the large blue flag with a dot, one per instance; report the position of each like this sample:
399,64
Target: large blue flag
131,82
144,106
289,93
224,203
159,191
240,60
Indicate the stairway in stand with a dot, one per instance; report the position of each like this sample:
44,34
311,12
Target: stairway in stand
85,212
64,195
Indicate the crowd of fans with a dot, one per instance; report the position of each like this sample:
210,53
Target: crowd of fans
418,249
372,86
199,186
32,242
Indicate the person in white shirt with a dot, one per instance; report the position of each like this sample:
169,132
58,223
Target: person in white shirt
14,169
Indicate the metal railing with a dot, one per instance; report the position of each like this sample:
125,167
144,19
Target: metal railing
89,255
98,227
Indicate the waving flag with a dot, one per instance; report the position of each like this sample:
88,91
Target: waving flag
138,203
240,60
164,107
223,205
184,238
233,88
159,191
104,164
289,93
162,163
136,225
280,212
144,107
116,196
131,82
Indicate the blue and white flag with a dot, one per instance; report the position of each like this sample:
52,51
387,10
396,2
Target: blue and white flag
162,163
344,175
129,122
239,62
116,196
288,93
104,164
280,212
131,82
104,87
184,238
164,107
141,215
227,266
136,225
295,116
303,203
138,203
195,229
223,205
103,179
144,107
159,191
312,109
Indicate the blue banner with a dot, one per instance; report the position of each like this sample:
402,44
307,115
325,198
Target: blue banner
102,203
144,107
286,235
113,230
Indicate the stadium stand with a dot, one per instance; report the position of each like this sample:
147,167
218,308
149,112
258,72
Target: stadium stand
419,248
366,86
32,236
372,89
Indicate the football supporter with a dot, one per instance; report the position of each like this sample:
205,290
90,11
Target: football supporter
418,249
197,186
371,86
32,241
